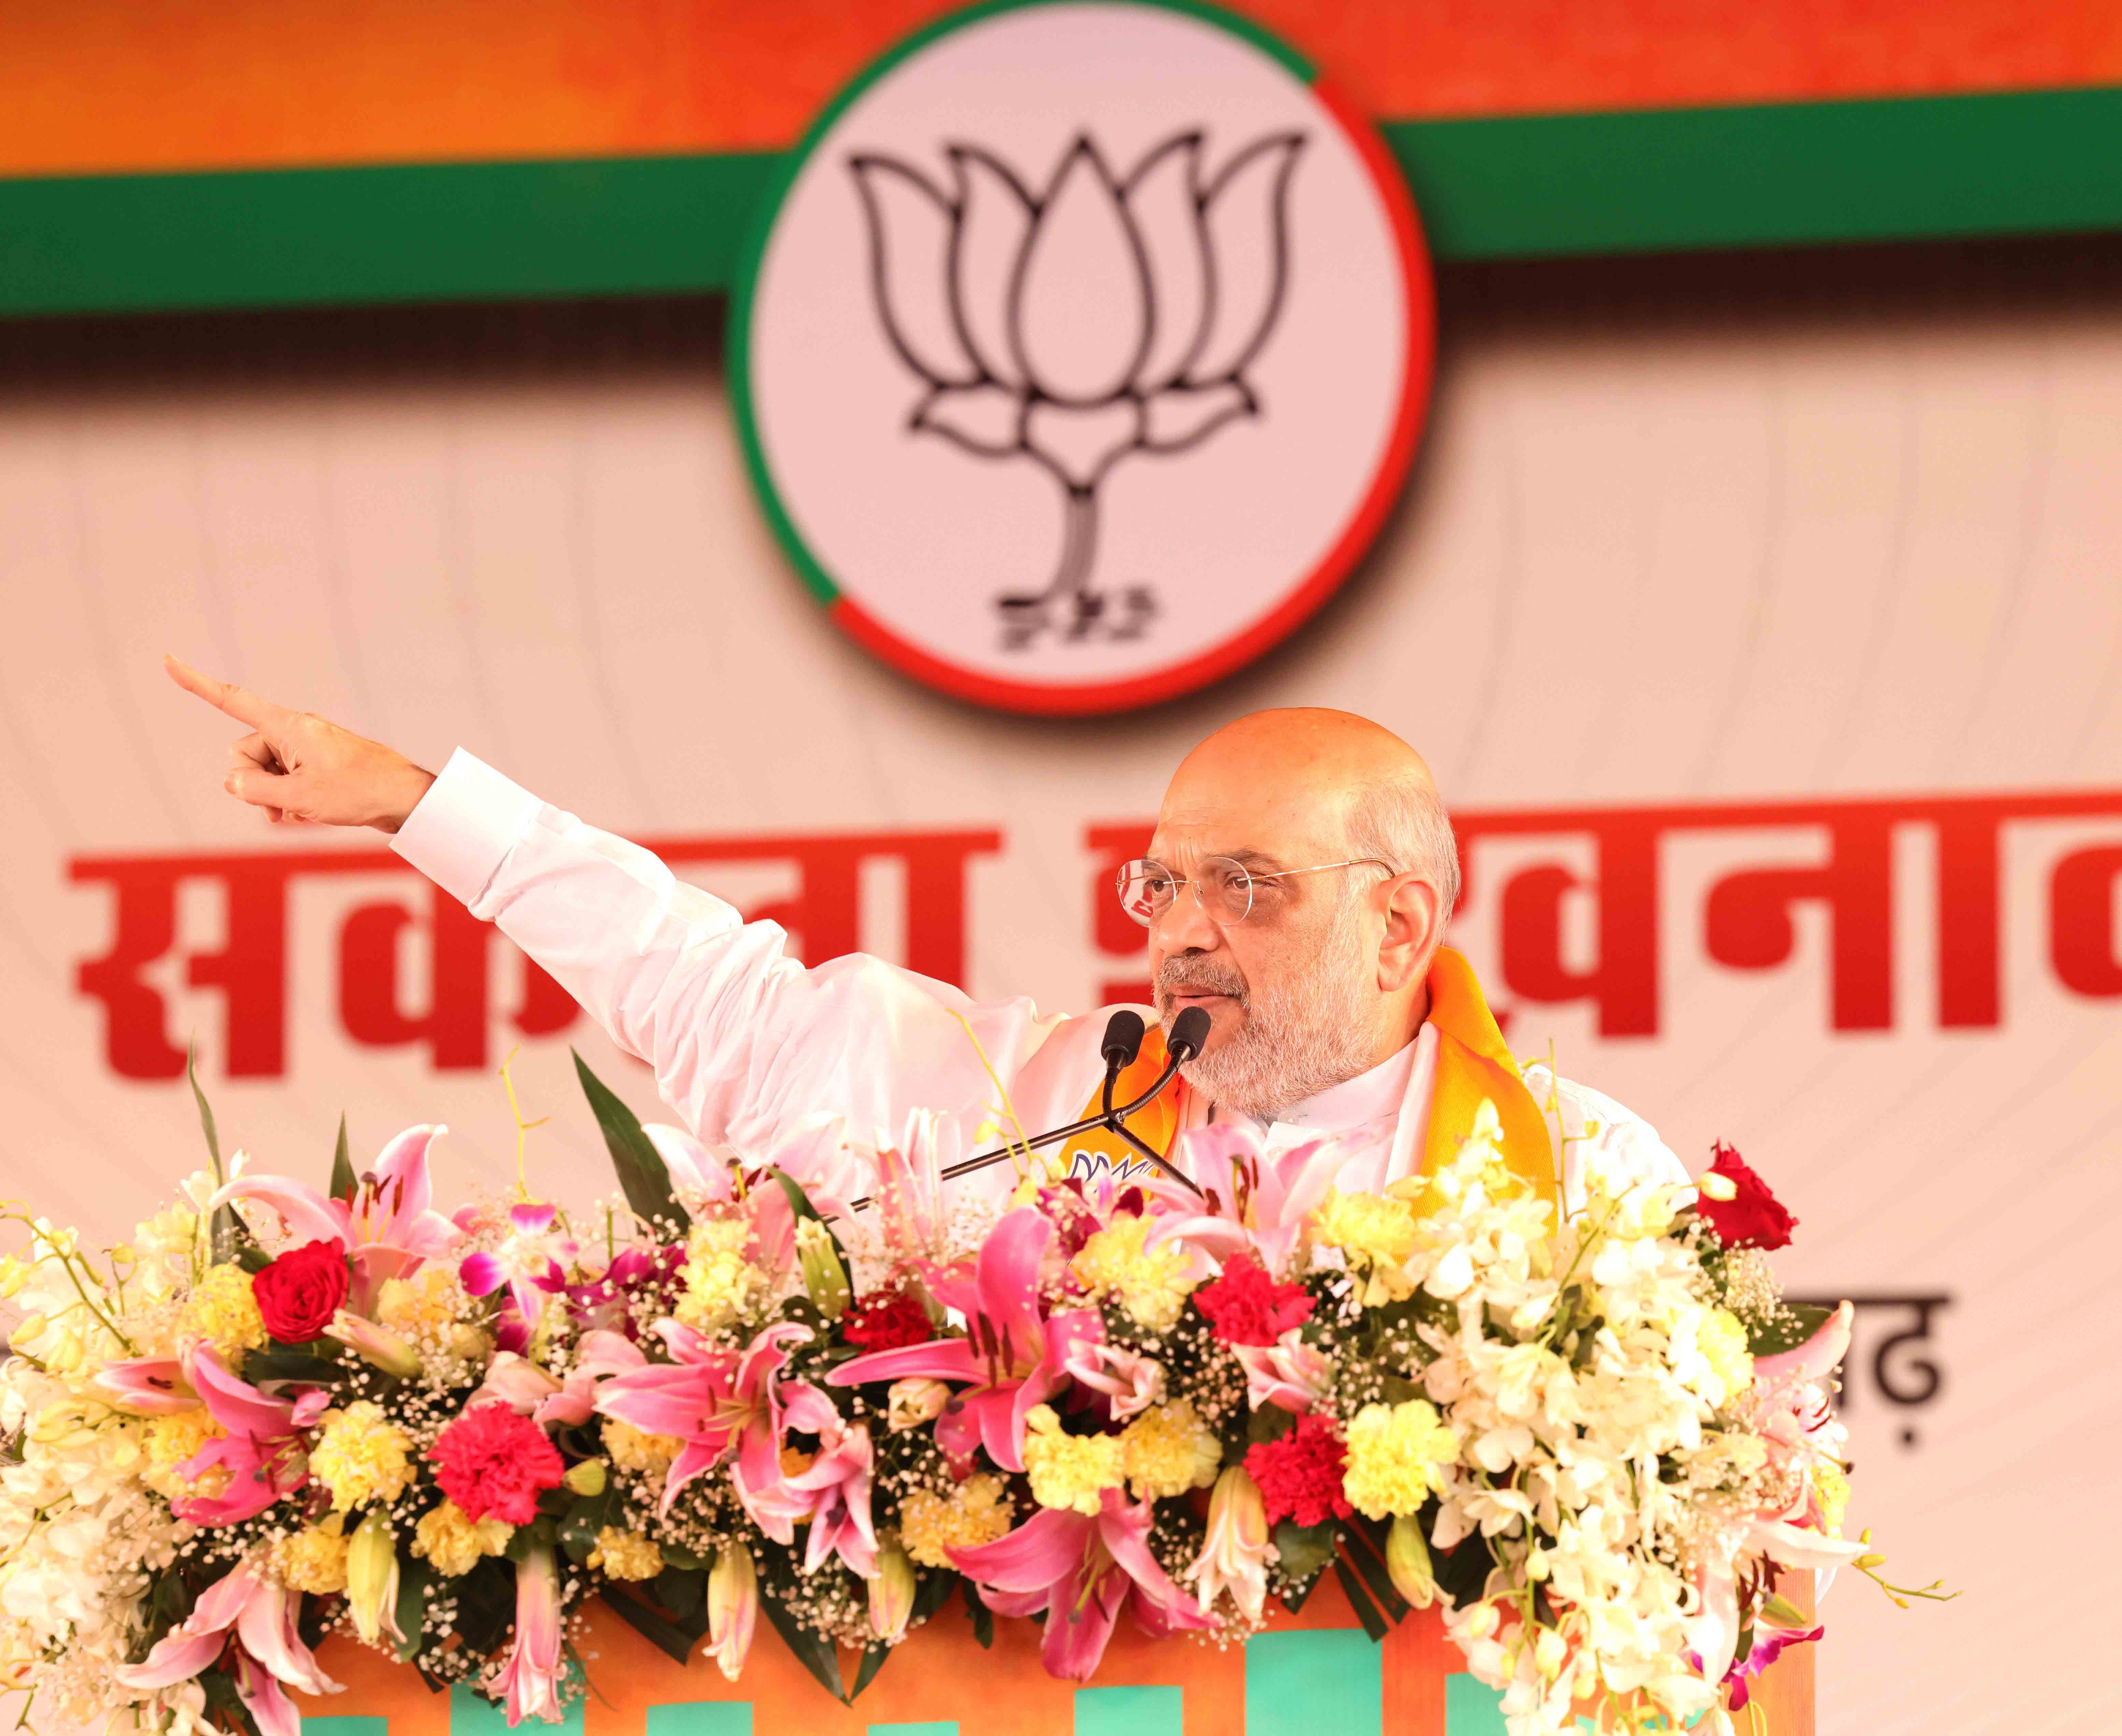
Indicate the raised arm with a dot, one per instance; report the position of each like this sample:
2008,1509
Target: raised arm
747,1045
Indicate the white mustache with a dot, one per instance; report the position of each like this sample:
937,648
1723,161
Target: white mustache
1179,976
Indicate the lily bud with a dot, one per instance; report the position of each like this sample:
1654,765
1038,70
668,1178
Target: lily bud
587,1478
733,1608
372,1578
915,1401
1407,1560
824,1277
891,1594
378,1346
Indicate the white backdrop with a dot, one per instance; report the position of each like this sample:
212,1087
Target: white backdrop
1774,560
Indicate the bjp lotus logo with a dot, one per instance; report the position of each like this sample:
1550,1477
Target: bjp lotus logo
1080,350
1100,316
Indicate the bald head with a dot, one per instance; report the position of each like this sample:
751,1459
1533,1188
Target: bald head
1323,780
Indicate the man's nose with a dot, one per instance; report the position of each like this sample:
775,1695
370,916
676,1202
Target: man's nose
1183,926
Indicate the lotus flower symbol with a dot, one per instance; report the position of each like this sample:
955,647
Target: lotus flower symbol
1105,315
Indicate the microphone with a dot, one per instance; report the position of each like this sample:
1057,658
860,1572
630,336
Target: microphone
1190,1034
1124,1032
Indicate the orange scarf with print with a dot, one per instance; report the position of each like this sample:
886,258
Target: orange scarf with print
1473,1065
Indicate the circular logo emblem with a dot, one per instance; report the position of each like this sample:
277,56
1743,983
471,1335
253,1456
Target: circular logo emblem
1082,351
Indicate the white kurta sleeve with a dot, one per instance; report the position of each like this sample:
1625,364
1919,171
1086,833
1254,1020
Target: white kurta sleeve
1593,1125
746,1043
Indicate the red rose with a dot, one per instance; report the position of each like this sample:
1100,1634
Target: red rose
887,1322
300,1292
1753,1217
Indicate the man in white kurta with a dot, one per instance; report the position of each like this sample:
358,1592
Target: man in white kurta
1322,1018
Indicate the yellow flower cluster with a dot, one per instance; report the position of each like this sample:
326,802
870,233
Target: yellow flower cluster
172,1440
977,1511
1722,1338
453,1541
720,1284
314,1560
1067,1470
635,1449
1396,1456
1376,1233
222,1310
361,1456
1167,1450
1832,1486
626,1555
1150,1284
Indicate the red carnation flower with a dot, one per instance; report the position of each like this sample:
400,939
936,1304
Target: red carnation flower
1300,1475
1753,1217
887,1321
300,1292
1247,1307
490,1459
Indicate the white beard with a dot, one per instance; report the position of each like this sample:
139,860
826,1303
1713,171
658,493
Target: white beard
1312,1032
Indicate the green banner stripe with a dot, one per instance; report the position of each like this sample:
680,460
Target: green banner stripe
1509,187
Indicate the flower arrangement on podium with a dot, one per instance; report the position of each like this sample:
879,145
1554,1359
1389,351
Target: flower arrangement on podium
283,1411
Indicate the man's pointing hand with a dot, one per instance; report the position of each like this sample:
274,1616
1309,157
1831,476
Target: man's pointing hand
299,766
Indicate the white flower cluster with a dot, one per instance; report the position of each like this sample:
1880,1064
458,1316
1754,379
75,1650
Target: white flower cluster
1609,1455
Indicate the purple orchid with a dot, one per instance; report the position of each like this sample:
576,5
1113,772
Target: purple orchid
528,1264
1015,1355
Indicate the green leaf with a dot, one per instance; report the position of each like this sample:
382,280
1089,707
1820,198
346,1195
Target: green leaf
1374,1624
294,1362
983,1617
676,1555
933,1592
642,1174
812,1650
650,1626
1269,1423
1799,1321
1366,1554
584,1520
799,1202
872,1661
1305,1549
222,1230
415,1579
683,1591
1400,1390
344,1183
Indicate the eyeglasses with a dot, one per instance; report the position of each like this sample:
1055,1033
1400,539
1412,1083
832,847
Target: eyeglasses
1222,887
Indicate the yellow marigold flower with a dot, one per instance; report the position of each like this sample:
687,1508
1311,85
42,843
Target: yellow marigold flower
1832,1487
1150,1283
625,1555
221,1310
1396,1456
635,1449
1722,1338
977,1511
453,1542
314,1560
1166,1451
361,1456
1376,1233
720,1284
1069,1470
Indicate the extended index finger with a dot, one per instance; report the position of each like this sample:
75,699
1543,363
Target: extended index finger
243,705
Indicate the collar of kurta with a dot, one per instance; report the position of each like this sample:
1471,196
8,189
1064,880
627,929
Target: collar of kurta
1474,1066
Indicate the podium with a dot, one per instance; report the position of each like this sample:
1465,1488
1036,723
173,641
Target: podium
1315,1673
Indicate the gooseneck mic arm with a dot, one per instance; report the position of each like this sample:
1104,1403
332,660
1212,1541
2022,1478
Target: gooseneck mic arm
1123,1042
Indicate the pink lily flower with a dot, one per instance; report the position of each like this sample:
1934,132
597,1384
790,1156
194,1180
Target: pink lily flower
1130,1382
387,1229
696,1173
909,1186
262,1450
527,1263
148,1385
269,1648
832,1493
1256,1200
1015,1356
528,1682
598,1356
1080,1571
716,1402
1289,1373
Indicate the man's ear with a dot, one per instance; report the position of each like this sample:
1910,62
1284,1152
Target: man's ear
1414,924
